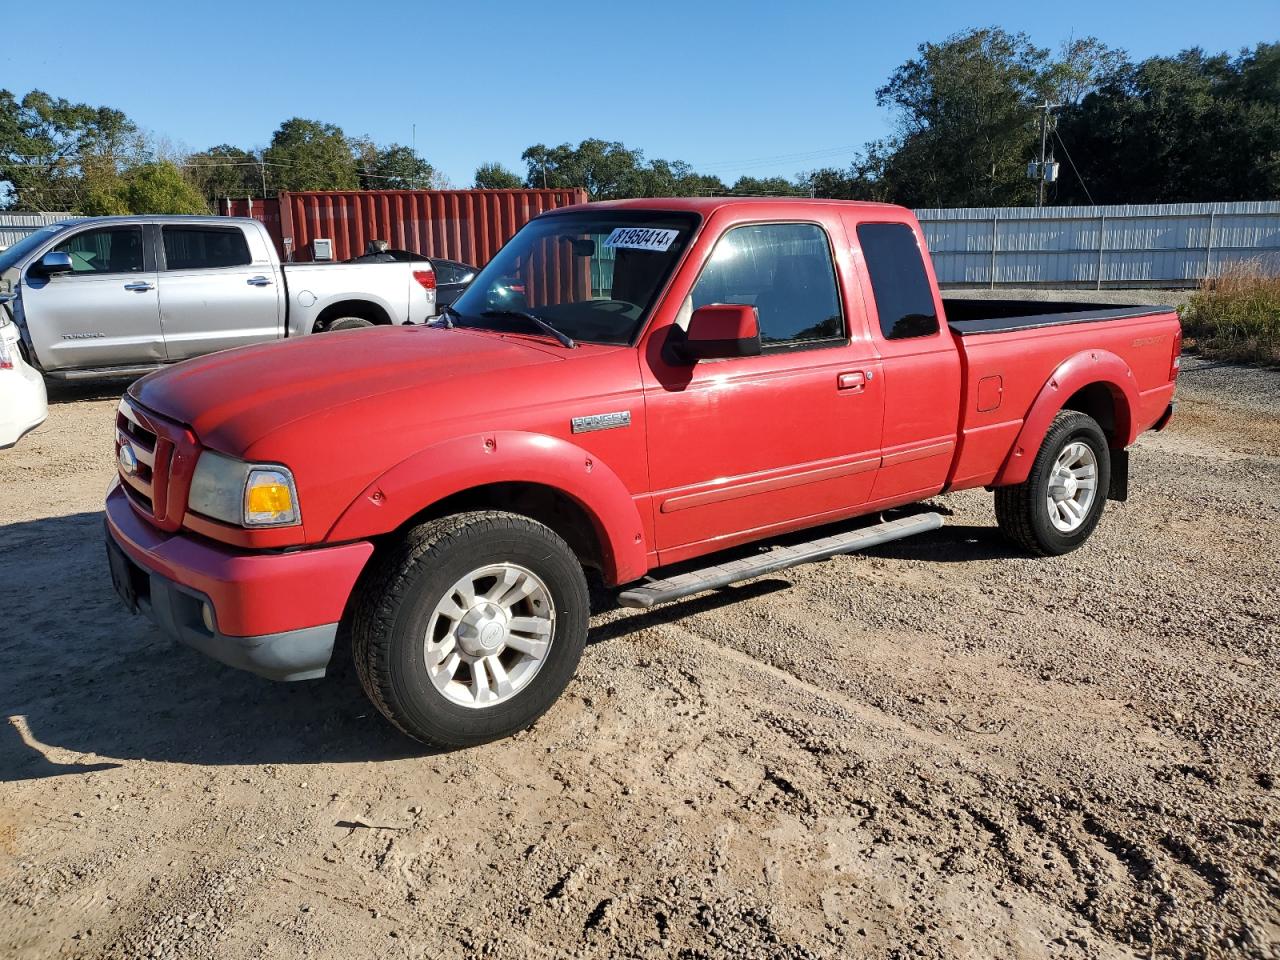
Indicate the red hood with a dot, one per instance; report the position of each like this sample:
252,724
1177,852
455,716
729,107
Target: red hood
236,397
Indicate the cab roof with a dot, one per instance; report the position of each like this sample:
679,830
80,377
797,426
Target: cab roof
708,205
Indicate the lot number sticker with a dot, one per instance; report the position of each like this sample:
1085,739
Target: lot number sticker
641,238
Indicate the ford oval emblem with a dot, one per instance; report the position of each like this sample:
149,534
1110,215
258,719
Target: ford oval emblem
128,460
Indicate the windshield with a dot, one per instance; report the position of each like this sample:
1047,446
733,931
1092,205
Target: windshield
594,275
18,252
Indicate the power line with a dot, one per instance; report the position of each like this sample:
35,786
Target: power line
214,164
1083,185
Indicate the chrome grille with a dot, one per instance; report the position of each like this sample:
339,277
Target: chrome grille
141,440
157,467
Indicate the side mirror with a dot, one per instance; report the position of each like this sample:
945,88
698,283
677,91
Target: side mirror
718,331
52,263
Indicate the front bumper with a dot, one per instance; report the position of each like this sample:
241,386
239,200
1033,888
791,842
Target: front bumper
273,614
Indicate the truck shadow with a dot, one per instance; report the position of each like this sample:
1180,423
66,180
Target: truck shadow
86,685
954,543
74,391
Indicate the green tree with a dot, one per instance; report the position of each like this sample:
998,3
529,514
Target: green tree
46,144
674,178
607,169
861,180
309,155
494,176
965,120
1191,127
161,188
610,170
155,187
768,187
1082,66
226,171
394,167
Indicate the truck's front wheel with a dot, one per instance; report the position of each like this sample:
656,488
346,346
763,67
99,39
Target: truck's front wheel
1056,508
470,627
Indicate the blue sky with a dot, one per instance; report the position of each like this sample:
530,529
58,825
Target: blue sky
733,87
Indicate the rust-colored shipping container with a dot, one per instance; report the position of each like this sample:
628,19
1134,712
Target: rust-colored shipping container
466,225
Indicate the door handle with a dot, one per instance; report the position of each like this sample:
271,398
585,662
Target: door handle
259,282
139,285
854,381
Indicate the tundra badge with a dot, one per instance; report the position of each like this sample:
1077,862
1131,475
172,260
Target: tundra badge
602,421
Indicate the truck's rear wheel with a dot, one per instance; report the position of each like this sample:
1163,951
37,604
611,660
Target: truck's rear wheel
1059,504
349,323
471,627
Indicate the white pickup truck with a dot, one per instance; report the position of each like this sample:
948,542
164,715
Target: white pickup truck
110,296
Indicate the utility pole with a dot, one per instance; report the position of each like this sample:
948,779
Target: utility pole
1042,170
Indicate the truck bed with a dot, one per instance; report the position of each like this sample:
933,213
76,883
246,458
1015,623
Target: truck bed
1011,349
972,317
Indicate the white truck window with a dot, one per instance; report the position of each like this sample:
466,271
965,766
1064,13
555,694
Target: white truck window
196,248
109,250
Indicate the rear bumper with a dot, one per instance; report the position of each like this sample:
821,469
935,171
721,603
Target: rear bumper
275,615
23,404
1164,418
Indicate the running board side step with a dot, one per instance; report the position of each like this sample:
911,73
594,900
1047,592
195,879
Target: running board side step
779,558
104,373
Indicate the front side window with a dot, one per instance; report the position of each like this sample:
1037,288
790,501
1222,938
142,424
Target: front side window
202,248
785,271
904,298
593,276
110,250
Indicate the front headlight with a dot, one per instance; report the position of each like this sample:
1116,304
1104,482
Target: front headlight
244,494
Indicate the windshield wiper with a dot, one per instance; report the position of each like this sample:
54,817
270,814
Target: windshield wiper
537,321
443,317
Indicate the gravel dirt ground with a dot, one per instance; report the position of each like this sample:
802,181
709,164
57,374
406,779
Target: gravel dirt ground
940,748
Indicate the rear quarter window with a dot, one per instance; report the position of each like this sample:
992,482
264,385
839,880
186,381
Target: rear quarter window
895,265
197,248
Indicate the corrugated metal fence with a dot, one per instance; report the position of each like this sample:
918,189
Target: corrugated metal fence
15,226
1173,245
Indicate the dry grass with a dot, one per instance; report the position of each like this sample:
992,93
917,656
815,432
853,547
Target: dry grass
1236,315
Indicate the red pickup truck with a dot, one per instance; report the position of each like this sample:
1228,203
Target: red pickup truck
627,387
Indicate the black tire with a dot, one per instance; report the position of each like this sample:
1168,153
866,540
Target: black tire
349,323
1022,510
399,594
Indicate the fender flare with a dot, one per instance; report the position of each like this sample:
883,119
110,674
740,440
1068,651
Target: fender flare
465,463
372,299
1072,375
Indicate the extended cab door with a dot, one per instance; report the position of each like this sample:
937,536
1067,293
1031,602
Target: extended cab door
920,360
742,446
218,289
104,313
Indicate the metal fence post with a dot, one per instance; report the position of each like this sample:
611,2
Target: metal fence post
1102,245
995,222
1208,248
